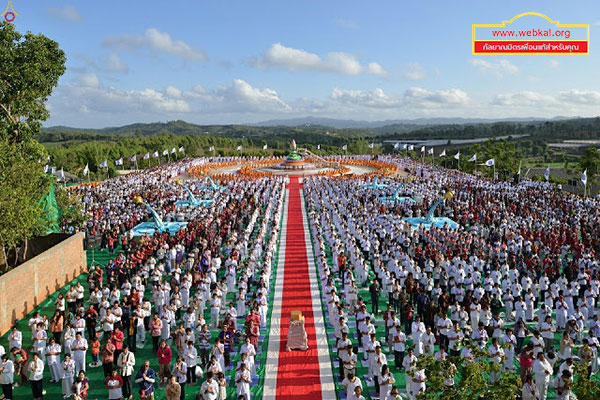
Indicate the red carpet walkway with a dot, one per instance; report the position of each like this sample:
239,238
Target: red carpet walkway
298,371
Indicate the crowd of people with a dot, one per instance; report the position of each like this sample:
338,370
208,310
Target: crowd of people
198,298
519,279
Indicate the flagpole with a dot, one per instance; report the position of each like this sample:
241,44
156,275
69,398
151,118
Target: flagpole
494,179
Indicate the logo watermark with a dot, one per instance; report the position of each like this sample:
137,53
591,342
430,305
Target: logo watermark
9,13
534,34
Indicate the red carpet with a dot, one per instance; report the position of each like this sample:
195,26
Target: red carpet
298,373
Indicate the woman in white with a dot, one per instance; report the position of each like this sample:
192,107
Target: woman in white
386,381
529,390
242,381
218,352
68,372
68,338
240,304
418,383
53,360
566,346
262,308
248,349
15,338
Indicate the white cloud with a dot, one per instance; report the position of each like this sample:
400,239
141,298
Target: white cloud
435,98
376,98
346,23
553,63
414,72
67,13
498,69
412,98
89,80
155,40
296,59
113,63
523,98
585,97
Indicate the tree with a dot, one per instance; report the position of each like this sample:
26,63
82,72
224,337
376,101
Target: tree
30,67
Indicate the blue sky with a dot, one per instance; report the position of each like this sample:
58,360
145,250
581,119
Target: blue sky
247,61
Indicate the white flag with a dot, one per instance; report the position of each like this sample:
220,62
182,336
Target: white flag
404,146
46,168
147,156
173,150
155,154
86,170
443,153
457,156
239,148
53,170
61,175
547,174
422,149
133,158
165,152
104,164
411,147
119,161
318,147
490,162
584,178
211,148
396,146
265,147
345,147
430,151
519,171
371,145
473,158
181,149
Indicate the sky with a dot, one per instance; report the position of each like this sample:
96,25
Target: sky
223,62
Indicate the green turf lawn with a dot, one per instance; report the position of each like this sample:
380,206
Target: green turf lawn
96,376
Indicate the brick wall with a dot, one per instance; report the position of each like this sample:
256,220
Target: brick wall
26,286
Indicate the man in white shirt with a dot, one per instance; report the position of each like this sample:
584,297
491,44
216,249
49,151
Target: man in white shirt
408,363
7,376
79,347
210,387
36,376
126,363
242,381
53,360
399,340
496,354
351,382
542,371
190,355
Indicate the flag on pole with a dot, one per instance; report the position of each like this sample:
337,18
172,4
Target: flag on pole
457,156
211,148
166,152
422,149
547,174
371,145
473,158
404,146
345,147
46,168
519,171
318,147
411,147
86,170
490,162
53,170
584,178
443,153
104,164
239,148
133,158
119,161
396,146
430,151
147,156
181,149
61,175
265,147
155,154
173,150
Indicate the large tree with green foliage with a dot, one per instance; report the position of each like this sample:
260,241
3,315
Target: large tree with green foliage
30,66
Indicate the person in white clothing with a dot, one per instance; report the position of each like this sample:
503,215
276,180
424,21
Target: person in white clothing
543,372
7,376
79,347
242,381
53,359
68,372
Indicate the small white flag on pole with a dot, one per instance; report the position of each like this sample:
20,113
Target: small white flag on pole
371,145
265,147
155,154
404,146
318,147
547,174
345,147
430,151
61,175
239,148
422,149
119,161
490,162
173,150
211,148
519,171
457,156
584,178
104,164
46,168
53,171
147,156
473,158
86,170
165,152
396,146
133,158
443,153
411,147
181,149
